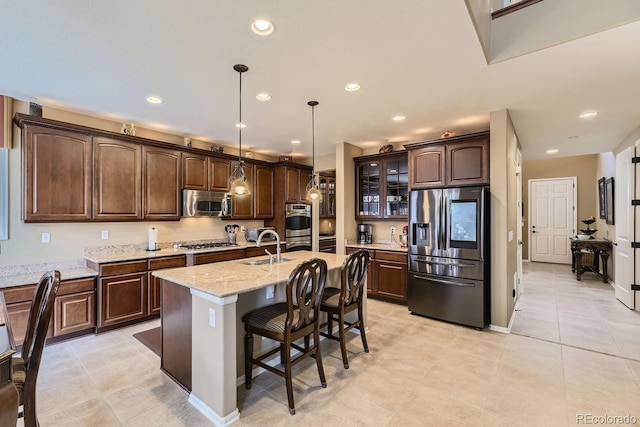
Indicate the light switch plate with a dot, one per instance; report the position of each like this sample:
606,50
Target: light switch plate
46,237
105,234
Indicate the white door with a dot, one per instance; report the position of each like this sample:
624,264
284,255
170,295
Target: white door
624,221
552,219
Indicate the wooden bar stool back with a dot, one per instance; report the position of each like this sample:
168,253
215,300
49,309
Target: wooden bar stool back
24,372
337,302
287,322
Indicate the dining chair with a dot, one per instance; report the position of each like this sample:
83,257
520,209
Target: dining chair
337,302
24,371
287,322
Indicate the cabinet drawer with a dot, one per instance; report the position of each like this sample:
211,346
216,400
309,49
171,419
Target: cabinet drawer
391,256
123,267
168,262
210,257
75,286
19,294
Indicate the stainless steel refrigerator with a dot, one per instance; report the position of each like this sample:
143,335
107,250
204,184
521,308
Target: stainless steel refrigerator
448,276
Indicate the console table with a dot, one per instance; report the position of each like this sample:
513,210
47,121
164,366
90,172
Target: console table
601,249
9,398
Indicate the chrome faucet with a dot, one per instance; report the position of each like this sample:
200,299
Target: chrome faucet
278,255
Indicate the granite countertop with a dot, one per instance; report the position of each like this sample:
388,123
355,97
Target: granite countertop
119,253
32,277
224,279
378,246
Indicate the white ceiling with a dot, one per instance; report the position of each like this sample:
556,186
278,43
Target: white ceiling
418,58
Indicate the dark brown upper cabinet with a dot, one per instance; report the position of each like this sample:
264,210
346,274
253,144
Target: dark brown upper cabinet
200,172
454,162
382,186
57,167
161,183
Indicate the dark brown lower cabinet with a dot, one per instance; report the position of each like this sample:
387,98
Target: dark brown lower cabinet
387,274
73,313
122,299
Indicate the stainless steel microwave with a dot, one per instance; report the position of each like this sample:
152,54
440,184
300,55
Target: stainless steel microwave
205,203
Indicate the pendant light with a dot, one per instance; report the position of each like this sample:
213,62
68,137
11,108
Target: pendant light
238,179
313,193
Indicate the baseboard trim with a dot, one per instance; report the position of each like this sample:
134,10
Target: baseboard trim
211,414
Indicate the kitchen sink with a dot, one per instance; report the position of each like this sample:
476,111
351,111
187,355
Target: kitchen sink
266,261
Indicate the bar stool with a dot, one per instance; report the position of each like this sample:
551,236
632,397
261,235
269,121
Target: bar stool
337,302
287,322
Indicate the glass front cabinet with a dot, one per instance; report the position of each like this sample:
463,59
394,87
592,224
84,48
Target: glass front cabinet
382,189
327,184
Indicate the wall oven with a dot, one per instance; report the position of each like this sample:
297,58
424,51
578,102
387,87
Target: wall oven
298,227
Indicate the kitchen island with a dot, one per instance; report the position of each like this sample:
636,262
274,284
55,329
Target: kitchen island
202,331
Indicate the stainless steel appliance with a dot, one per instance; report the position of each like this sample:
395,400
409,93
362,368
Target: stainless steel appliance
298,227
205,203
251,234
365,234
448,275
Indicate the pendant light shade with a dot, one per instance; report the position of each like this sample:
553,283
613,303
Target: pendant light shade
238,179
313,192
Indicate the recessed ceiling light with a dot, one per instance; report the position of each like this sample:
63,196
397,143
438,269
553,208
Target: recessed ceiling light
373,164
295,141
262,27
352,87
241,125
588,114
552,151
263,96
398,118
154,99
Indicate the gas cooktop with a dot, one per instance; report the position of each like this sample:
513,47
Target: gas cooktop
209,245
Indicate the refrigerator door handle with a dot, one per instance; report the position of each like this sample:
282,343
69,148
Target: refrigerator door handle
444,282
450,264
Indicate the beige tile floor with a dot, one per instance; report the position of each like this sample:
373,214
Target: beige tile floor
419,372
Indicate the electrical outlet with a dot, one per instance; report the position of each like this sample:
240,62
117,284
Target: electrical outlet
393,231
105,234
46,237
271,290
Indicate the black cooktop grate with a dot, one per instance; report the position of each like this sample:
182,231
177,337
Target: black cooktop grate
209,245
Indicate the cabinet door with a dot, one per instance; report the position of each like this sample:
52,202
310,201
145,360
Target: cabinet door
331,198
117,180
219,172
468,163
427,167
57,175
242,205
161,183
368,181
153,282
154,293
324,190
396,172
292,185
122,298
391,279
263,194
304,178
74,312
195,172
18,314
